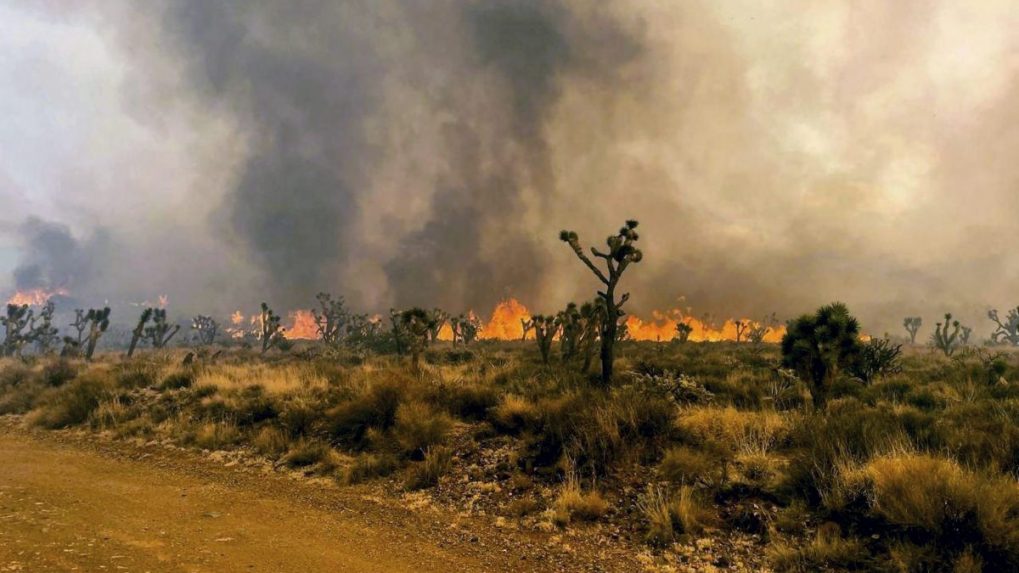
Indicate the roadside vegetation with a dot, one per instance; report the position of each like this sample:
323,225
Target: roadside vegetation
912,470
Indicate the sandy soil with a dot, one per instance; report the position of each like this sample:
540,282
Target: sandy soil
69,502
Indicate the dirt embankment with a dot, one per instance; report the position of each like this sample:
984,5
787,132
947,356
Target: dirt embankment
71,503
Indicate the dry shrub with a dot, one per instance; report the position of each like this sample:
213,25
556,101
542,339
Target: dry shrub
513,415
419,426
270,441
575,503
828,550
274,378
72,403
216,436
369,466
686,465
732,428
307,453
670,516
110,413
349,422
425,474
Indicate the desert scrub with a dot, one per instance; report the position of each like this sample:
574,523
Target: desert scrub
955,508
669,516
513,414
827,550
370,466
685,465
306,453
270,441
72,403
426,473
573,503
419,426
349,422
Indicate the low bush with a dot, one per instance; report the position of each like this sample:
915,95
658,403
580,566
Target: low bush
418,427
426,473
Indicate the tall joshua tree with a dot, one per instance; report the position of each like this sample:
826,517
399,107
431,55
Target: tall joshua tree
270,331
912,324
621,254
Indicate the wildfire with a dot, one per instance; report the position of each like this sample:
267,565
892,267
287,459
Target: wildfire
302,326
34,297
505,322
505,325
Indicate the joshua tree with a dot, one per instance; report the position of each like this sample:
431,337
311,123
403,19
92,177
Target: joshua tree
465,328
90,326
683,331
570,329
622,330
332,320
912,324
964,335
270,332
161,331
591,315
205,328
439,318
16,320
620,255
741,328
139,331
526,325
1007,331
819,346
417,323
41,329
398,331
879,357
944,340
545,329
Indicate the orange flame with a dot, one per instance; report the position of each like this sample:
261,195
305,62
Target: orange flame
34,297
303,326
505,321
505,325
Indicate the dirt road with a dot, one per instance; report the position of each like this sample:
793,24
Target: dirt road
65,507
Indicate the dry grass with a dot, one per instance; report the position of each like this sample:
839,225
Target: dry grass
573,503
275,379
669,516
427,473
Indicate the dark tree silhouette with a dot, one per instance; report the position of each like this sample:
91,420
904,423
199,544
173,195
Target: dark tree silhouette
621,254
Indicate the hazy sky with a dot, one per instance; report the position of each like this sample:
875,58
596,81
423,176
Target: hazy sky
778,154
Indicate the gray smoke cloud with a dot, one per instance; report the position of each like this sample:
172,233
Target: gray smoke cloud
397,152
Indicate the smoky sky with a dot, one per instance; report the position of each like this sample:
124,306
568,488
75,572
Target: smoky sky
401,153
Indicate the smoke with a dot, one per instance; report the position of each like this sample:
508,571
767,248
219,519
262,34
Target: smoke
399,153
51,258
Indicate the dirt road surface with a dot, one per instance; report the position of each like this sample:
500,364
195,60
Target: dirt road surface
71,505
